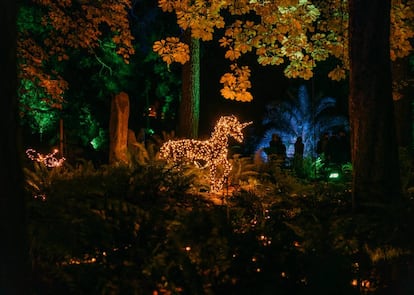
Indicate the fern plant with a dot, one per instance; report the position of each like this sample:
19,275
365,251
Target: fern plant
245,172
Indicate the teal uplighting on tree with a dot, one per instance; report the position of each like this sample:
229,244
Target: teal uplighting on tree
92,133
35,111
100,140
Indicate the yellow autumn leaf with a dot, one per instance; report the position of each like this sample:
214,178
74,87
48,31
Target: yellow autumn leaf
244,96
228,79
232,54
243,47
246,70
225,42
167,58
264,60
182,22
181,57
226,92
201,33
172,39
297,24
166,5
244,85
159,47
337,74
249,24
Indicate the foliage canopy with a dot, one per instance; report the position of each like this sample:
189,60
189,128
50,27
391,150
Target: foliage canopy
299,33
49,30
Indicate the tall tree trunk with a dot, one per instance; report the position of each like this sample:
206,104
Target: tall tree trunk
189,111
403,121
402,106
14,256
374,149
118,129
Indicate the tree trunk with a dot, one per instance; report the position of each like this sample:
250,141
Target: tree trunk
189,111
402,106
403,121
14,257
374,149
118,129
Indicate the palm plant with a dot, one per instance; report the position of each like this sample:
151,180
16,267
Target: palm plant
301,115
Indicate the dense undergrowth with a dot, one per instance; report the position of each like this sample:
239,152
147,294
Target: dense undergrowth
149,229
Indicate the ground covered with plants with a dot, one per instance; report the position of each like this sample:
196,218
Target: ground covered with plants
151,229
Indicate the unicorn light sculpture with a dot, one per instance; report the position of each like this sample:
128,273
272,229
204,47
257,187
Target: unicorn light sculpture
213,151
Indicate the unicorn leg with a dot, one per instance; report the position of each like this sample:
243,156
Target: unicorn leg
227,170
215,183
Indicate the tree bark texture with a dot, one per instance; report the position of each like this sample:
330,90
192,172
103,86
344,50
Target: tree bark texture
14,254
118,129
189,110
402,107
374,148
403,121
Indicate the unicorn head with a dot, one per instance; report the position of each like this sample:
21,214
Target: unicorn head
230,126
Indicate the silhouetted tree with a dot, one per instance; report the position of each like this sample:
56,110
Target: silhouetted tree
374,150
14,250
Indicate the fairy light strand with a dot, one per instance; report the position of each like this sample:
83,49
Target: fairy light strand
213,151
49,160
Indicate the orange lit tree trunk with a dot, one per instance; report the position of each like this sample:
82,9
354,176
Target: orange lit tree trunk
13,252
374,147
189,111
118,129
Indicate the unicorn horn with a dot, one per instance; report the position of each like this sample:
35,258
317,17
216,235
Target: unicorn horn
246,124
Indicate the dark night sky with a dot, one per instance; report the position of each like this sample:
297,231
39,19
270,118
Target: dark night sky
268,83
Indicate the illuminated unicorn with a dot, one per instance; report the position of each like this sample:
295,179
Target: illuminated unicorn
213,151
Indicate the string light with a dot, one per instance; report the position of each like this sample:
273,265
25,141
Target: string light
48,160
96,257
213,151
41,197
